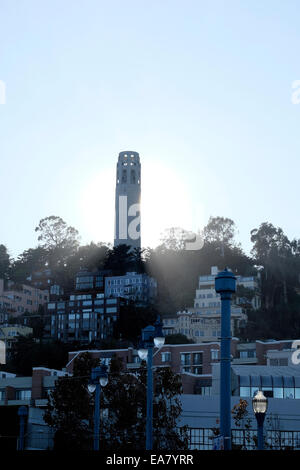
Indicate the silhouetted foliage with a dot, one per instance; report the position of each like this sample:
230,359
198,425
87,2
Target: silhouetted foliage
4,262
178,338
132,319
27,353
70,409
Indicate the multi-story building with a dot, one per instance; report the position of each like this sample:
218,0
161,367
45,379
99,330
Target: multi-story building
19,298
10,333
194,361
85,315
31,392
207,299
138,287
203,321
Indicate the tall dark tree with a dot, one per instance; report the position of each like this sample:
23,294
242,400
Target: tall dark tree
220,230
31,260
70,409
27,352
58,238
279,257
123,258
55,233
125,399
4,262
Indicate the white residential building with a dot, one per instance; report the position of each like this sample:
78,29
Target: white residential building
203,321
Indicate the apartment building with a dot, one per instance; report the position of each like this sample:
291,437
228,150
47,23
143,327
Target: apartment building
9,334
19,298
203,320
140,288
85,315
194,361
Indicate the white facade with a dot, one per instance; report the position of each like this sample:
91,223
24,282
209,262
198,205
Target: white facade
203,320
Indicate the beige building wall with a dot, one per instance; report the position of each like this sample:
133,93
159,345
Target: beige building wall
19,299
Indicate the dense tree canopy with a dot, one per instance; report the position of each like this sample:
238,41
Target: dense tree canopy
70,409
4,262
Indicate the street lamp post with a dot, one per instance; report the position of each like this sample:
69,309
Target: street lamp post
99,378
151,336
260,406
225,285
22,413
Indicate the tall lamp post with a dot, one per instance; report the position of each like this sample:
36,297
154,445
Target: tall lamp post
225,285
99,378
151,336
22,413
260,406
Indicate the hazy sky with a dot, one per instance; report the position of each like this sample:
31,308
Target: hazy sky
201,89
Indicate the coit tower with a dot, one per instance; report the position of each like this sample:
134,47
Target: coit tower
128,195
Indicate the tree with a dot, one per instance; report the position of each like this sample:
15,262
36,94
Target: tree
69,408
123,404
241,418
55,233
178,338
280,259
125,399
28,353
59,239
174,238
121,259
220,230
4,262
28,262
90,256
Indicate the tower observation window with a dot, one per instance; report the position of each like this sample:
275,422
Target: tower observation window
124,176
132,177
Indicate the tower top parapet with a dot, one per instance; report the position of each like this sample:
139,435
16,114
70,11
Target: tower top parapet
128,156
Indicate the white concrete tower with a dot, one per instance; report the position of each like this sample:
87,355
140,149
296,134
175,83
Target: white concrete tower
128,194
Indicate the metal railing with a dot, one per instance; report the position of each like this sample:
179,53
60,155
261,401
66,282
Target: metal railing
245,439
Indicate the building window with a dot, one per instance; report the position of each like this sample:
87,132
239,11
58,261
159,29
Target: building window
206,391
247,354
197,358
84,282
185,359
165,356
214,354
132,177
23,394
244,392
124,176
